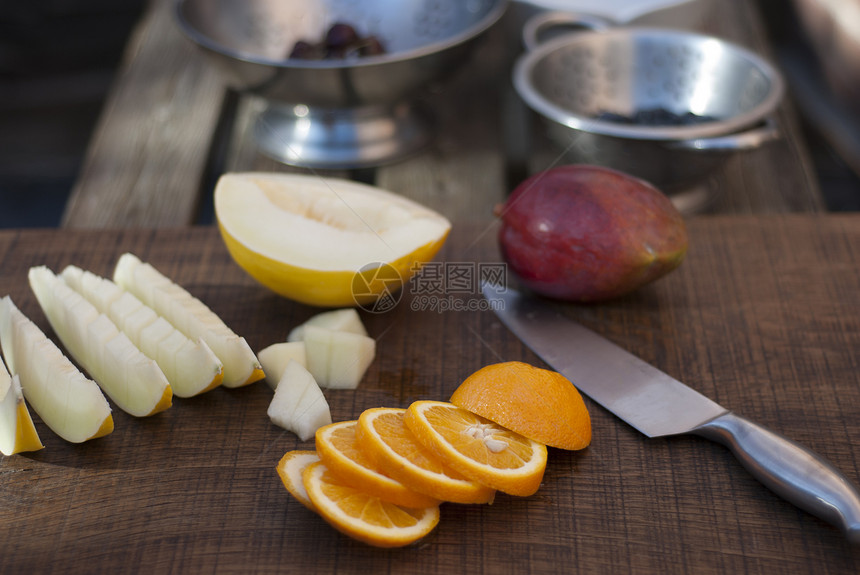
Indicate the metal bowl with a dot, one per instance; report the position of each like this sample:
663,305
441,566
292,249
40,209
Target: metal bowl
338,113
668,106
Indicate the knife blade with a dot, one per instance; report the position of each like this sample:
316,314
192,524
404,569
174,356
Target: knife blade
658,405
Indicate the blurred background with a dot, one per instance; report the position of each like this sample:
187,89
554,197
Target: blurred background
58,59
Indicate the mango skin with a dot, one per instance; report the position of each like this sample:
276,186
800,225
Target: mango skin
586,233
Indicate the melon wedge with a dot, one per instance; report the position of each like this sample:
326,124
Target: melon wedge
69,403
299,404
338,320
190,316
131,379
191,368
17,432
276,357
338,359
307,237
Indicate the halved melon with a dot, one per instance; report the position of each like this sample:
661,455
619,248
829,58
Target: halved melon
306,237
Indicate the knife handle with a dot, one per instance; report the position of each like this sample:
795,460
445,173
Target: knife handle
792,471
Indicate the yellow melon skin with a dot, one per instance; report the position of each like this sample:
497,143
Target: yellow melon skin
319,287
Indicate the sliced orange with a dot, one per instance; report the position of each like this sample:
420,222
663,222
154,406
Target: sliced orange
290,469
478,448
337,448
540,404
365,517
389,444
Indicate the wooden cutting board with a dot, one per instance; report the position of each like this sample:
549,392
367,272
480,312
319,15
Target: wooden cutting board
764,317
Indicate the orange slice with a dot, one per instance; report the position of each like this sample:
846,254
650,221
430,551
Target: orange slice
478,448
337,448
537,403
389,444
290,469
362,516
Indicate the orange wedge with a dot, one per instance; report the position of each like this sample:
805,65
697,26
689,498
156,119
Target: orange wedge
389,444
362,516
478,448
337,448
290,469
537,403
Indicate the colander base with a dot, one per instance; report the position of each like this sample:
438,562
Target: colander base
303,136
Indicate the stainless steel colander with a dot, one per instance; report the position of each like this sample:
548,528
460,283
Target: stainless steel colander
665,105
341,112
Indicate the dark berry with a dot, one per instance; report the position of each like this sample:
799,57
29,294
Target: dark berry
371,46
340,36
305,51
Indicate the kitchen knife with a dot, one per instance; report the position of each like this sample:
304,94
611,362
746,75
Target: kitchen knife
658,405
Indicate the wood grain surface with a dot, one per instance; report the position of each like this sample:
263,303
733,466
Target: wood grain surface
170,128
763,316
